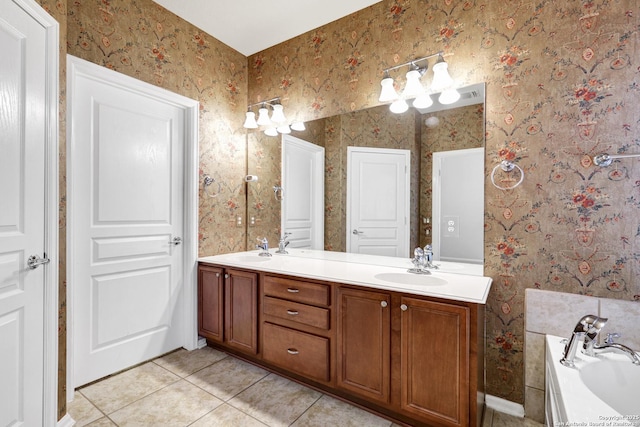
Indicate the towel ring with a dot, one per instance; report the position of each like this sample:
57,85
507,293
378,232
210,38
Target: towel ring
207,181
506,166
278,192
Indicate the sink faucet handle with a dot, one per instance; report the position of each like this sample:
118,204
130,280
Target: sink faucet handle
611,338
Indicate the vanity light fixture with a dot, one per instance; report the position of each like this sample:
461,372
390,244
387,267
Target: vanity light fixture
442,82
274,125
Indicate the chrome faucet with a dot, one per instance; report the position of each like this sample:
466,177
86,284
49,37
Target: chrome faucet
283,243
422,260
428,255
264,246
592,347
586,330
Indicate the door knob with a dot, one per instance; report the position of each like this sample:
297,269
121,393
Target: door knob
356,232
34,261
176,241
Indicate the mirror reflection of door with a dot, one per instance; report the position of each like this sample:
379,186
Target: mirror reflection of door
378,201
458,205
303,193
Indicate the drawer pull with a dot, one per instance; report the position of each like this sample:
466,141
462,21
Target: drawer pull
292,312
292,351
293,290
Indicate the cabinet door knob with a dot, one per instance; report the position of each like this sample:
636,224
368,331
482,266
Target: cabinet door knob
217,274
292,312
403,307
383,303
292,351
293,290
226,276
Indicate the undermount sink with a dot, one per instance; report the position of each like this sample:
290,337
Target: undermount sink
252,258
411,279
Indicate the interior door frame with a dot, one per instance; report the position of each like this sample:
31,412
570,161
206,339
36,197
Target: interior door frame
318,154
407,203
52,203
78,67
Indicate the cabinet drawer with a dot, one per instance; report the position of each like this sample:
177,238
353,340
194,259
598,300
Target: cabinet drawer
296,351
296,312
297,290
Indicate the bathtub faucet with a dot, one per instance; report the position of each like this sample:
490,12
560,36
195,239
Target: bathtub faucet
591,348
586,330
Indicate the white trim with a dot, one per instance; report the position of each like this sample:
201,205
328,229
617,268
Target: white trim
66,421
505,406
51,285
77,67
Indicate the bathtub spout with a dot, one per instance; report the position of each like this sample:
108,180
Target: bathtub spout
586,329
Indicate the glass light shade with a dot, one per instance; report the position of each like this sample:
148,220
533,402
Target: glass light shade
285,129
449,96
263,117
250,121
278,114
441,77
413,87
299,126
399,106
388,92
423,101
271,131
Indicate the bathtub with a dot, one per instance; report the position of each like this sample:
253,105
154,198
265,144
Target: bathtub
599,391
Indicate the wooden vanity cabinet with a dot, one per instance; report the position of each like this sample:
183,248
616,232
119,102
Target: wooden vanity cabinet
408,354
228,307
364,343
435,362
211,303
296,326
415,359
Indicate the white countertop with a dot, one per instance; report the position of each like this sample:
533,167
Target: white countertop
370,271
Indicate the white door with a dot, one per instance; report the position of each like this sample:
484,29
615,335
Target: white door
303,189
126,222
27,139
458,205
378,201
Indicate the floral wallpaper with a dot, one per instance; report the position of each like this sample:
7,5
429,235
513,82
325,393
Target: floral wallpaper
562,85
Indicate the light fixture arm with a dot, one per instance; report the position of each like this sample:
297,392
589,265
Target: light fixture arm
413,63
269,102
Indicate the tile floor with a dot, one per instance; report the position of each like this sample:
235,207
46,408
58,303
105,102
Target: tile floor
209,388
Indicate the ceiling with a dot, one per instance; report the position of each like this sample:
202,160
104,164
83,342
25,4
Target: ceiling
250,26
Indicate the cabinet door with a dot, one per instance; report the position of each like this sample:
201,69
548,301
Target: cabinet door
435,361
241,310
363,346
210,303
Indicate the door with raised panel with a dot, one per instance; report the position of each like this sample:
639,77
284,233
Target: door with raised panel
435,361
126,220
363,343
241,310
26,106
378,201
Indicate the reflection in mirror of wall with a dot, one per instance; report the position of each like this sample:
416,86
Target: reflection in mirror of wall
457,126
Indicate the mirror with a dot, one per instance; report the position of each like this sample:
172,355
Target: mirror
440,128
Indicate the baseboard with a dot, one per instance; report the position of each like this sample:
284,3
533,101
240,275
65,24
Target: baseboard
505,406
202,342
66,421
